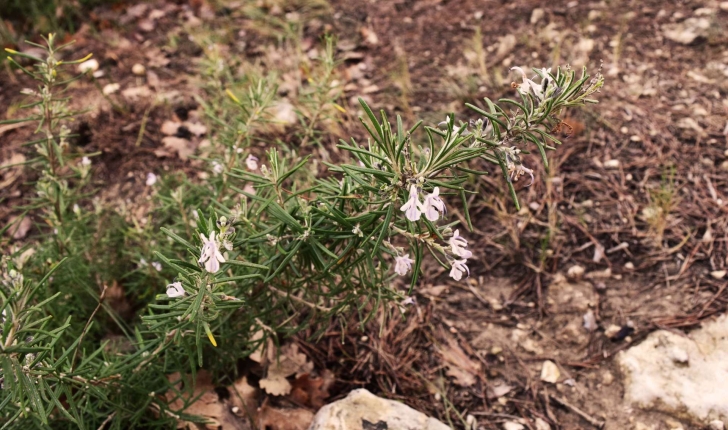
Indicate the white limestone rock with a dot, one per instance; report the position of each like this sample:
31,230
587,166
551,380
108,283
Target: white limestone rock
361,406
682,375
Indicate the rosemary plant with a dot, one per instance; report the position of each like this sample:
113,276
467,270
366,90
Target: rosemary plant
263,243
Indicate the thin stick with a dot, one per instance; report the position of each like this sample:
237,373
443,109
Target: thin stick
88,324
143,127
299,300
106,421
591,420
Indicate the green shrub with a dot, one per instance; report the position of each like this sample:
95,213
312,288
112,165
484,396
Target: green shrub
262,246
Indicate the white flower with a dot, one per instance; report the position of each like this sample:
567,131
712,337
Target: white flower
433,205
357,231
210,254
458,244
217,167
249,189
157,265
529,84
142,262
175,290
455,129
413,208
458,268
151,179
76,209
86,161
519,170
402,264
251,162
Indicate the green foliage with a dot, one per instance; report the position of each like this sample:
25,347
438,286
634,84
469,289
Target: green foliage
261,245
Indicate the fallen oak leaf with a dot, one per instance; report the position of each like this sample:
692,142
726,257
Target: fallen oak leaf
311,390
11,169
275,384
288,362
202,401
243,398
183,147
460,365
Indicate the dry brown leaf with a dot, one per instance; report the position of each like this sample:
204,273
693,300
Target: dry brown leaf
10,174
311,391
156,57
19,229
169,128
183,147
460,366
260,353
116,298
275,384
243,398
207,404
8,127
196,128
136,93
284,419
288,362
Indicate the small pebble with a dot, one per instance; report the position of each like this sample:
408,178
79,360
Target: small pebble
110,89
88,66
575,272
611,164
550,372
590,321
138,69
612,330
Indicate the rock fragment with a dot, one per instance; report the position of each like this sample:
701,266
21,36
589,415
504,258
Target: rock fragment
361,406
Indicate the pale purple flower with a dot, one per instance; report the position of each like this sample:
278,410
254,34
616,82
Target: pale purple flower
251,162
151,179
86,161
217,167
175,290
458,268
528,84
210,254
249,189
433,205
402,264
412,208
458,244
518,170
157,265
409,301
455,129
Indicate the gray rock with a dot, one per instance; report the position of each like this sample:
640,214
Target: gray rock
682,375
688,31
361,406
